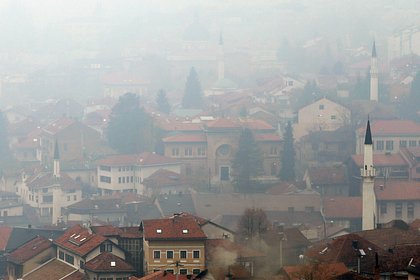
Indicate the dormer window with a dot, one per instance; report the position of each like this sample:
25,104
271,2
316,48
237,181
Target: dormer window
185,231
158,230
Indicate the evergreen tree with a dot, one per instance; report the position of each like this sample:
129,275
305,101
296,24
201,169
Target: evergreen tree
361,89
247,162
410,106
4,138
130,129
162,102
193,95
287,171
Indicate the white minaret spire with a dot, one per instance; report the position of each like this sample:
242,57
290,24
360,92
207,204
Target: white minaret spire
221,60
56,170
374,75
368,178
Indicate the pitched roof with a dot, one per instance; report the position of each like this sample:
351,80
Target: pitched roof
54,269
223,123
368,134
45,179
108,262
176,203
177,227
268,138
392,128
161,275
327,175
382,160
77,275
386,238
397,190
163,177
190,138
5,233
327,270
58,125
343,207
106,230
98,205
79,240
29,250
143,159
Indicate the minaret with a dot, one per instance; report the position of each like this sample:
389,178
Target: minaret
368,178
374,75
221,60
56,170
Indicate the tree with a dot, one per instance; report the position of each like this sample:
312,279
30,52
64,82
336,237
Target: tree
247,162
162,102
193,95
410,106
130,129
252,225
287,171
361,89
4,138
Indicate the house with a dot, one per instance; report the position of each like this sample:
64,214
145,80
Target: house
28,256
344,212
412,156
126,173
175,244
389,136
164,181
328,181
324,114
108,266
327,271
161,275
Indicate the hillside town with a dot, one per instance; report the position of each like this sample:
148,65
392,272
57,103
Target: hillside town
216,157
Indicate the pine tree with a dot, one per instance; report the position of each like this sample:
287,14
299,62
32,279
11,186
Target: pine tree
4,138
287,171
193,95
162,102
247,162
130,129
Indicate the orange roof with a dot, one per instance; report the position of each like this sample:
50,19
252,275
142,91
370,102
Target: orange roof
161,275
178,227
102,263
392,127
190,138
142,159
5,233
382,160
326,175
333,270
255,124
29,250
223,123
343,207
58,125
397,190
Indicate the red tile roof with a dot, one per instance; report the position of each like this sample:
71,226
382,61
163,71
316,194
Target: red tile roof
327,175
77,275
392,127
255,124
161,275
79,240
29,250
108,262
397,190
142,159
213,247
5,233
327,271
382,160
223,123
268,138
54,269
173,228
45,179
163,177
190,138
343,207
106,230
58,125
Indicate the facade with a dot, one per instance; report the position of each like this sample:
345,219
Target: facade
126,173
390,136
175,244
324,114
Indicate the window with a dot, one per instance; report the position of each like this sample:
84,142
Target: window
105,248
169,254
224,173
196,254
383,208
379,145
183,254
105,179
389,145
123,180
47,199
273,150
188,152
74,197
175,152
418,170
201,151
290,209
183,271
412,143
403,143
333,117
309,209
196,271
81,264
119,180
69,259
61,255
321,106
105,168
131,179
410,210
170,271
68,198
156,255
398,210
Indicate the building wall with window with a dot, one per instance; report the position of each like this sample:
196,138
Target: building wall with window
398,210
165,255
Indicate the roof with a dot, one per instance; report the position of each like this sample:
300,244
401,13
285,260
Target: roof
368,134
397,190
106,230
177,227
54,269
163,178
108,262
392,128
77,275
45,179
213,247
143,159
98,205
382,160
335,175
29,250
190,138
320,271
268,138
283,188
343,207
5,233
223,123
58,125
79,240
176,203
386,238
161,275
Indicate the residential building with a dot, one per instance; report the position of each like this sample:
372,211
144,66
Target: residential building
343,212
323,114
328,181
126,173
175,244
389,136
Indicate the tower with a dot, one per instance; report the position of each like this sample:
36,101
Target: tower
56,168
221,60
368,178
374,75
